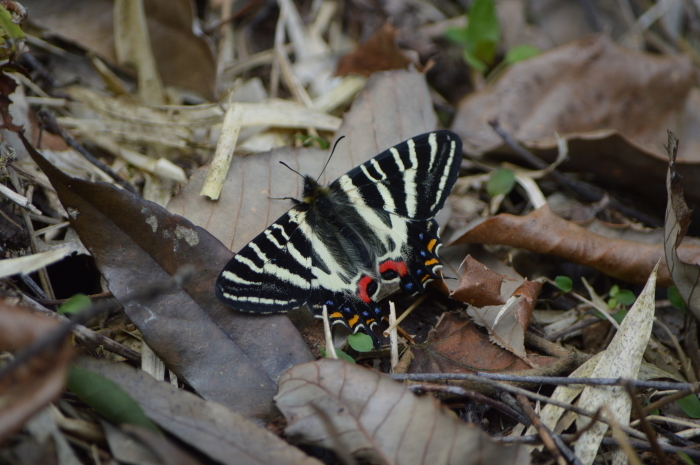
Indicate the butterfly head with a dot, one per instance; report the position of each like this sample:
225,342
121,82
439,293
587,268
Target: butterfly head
313,190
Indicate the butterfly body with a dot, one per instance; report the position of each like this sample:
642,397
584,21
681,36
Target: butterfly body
344,242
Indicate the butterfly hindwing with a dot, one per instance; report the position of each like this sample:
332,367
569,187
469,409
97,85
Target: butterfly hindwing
340,246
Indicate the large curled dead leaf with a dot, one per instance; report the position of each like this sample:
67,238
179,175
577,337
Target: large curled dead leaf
686,276
335,404
394,106
226,356
209,427
378,53
544,232
41,379
185,58
613,105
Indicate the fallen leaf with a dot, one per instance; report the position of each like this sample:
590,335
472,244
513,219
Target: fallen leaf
41,379
543,232
604,100
478,285
456,345
685,275
7,88
378,53
226,356
184,57
394,106
136,444
621,359
507,324
208,427
379,419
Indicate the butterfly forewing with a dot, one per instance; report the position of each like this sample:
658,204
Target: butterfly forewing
411,179
372,226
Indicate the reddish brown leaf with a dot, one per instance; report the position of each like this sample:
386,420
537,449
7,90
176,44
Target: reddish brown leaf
478,285
226,356
378,53
41,379
543,232
457,346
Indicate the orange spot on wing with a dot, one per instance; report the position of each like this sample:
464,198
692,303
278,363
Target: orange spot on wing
336,315
433,261
353,321
431,244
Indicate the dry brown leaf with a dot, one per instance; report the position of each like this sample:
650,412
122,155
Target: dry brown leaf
686,276
185,58
394,106
587,85
478,285
613,105
543,232
209,427
380,419
456,345
41,379
378,53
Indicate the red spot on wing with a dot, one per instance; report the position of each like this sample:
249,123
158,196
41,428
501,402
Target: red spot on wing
362,288
399,267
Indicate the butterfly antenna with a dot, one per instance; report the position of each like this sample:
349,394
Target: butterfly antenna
329,157
291,169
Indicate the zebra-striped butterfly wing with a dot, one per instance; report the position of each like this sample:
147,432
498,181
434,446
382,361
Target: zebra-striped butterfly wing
372,226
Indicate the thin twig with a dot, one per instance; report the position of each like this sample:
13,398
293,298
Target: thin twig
553,443
586,192
52,126
644,423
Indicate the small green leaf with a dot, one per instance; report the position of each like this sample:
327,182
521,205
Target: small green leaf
473,61
361,342
13,30
614,290
564,283
308,140
520,52
500,182
685,458
625,297
75,304
612,303
107,398
457,35
341,355
619,316
483,31
690,405
675,298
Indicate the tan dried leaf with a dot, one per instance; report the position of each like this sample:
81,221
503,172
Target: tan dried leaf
380,419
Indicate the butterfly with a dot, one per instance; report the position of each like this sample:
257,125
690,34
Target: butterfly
342,243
